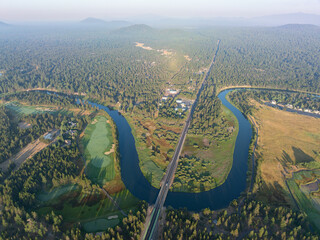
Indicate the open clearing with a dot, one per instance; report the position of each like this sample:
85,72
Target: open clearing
141,45
98,140
27,152
26,110
287,142
155,142
100,224
57,192
24,125
66,201
302,185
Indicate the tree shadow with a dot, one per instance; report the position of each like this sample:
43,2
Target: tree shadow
301,156
285,159
273,194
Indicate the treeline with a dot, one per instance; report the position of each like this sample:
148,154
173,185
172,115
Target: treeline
41,98
206,112
297,100
248,220
241,100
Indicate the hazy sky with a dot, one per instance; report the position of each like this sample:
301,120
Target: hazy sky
21,10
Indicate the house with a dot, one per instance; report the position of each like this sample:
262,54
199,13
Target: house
172,91
72,124
273,102
179,101
48,136
68,142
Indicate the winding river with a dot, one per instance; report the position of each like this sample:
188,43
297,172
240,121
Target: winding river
217,198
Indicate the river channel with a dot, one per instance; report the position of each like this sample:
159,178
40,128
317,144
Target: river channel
216,198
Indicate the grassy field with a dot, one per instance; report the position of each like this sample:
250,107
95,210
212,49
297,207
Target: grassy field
26,110
287,142
73,205
155,143
98,140
79,203
209,160
57,192
304,197
100,224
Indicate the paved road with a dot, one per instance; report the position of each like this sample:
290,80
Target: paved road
151,226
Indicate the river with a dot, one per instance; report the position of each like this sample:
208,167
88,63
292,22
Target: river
217,198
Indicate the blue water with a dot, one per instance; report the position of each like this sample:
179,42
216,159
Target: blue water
217,198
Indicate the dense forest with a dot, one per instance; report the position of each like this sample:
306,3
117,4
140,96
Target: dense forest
280,57
248,220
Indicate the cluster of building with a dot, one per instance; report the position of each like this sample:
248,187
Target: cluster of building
71,132
181,104
290,106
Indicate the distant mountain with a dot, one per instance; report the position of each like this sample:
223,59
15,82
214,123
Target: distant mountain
4,24
285,19
299,26
135,29
91,20
272,20
95,22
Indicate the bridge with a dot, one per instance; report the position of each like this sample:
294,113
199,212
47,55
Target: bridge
171,169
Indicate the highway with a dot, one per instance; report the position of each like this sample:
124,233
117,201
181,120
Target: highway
168,179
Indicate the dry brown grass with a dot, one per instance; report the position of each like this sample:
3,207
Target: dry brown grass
286,140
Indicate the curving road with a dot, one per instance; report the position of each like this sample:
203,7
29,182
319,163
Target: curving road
168,179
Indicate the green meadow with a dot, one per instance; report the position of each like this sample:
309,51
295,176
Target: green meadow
304,198
26,110
97,140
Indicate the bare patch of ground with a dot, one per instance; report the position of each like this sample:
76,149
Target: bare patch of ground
24,125
27,152
187,58
111,150
141,45
165,52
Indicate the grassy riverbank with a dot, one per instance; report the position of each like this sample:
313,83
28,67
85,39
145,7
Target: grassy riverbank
155,142
207,160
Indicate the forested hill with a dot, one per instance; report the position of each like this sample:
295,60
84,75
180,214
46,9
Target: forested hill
95,22
136,30
296,27
91,20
